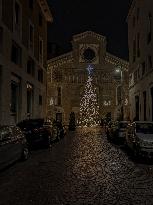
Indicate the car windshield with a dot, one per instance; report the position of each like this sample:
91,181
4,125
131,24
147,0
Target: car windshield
146,128
31,124
123,125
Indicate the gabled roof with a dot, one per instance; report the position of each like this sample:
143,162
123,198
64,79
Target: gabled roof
61,60
80,36
116,61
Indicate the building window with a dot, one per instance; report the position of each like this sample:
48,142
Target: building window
14,97
41,50
107,103
0,85
138,45
1,39
144,105
40,75
17,14
40,20
40,99
149,62
135,76
150,29
133,21
16,54
119,95
31,36
136,108
30,66
138,13
58,96
151,92
134,50
17,18
143,68
31,4
29,99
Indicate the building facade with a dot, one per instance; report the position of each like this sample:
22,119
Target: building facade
140,40
67,75
23,57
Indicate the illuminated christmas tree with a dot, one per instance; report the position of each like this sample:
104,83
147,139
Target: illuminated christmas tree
89,109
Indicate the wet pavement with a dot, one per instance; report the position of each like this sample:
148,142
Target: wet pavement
81,169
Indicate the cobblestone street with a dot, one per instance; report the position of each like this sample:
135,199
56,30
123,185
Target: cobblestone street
83,168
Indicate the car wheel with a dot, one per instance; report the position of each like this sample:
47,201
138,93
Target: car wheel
25,154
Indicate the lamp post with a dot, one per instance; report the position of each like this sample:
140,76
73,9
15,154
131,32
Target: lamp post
118,70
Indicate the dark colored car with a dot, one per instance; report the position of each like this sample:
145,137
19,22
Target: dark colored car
118,132
58,130
13,145
36,133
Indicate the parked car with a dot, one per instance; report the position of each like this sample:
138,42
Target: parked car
118,131
13,145
139,138
110,127
37,134
58,129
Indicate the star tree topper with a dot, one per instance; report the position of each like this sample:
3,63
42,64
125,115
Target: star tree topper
89,69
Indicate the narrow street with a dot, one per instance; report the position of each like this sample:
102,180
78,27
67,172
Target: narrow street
81,169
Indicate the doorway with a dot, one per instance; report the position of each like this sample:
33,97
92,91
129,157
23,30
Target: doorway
59,117
137,107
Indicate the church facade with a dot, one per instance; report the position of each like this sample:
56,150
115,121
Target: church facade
67,76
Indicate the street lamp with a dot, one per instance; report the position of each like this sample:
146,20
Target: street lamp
119,70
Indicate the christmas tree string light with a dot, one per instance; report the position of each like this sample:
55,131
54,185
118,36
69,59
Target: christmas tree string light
89,109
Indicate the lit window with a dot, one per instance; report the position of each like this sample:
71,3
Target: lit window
107,103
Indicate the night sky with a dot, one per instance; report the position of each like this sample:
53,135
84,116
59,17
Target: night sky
106,17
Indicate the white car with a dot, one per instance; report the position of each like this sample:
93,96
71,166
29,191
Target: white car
139,138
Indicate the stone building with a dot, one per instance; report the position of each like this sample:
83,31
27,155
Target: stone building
67,75
140,37
23,58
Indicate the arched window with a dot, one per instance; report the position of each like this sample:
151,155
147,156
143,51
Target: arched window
150,28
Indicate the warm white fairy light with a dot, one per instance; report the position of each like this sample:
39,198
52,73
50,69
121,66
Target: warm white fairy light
89,109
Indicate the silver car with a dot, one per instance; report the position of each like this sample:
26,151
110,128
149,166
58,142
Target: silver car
139,138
